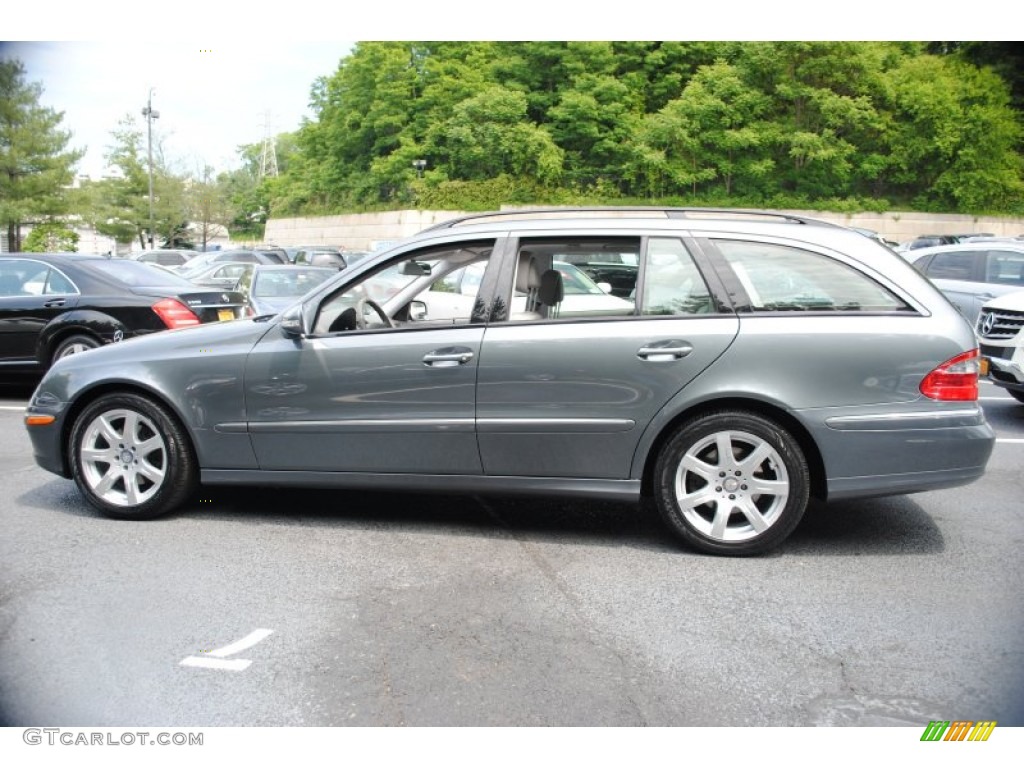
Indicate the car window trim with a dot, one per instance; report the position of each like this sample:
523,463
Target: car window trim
311,309
49,266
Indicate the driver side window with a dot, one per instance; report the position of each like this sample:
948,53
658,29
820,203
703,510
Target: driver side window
426,288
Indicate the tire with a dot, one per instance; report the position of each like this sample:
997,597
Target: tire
1017,395
744,504
72,345
130,458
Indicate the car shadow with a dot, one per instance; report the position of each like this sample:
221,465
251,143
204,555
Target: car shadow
885,526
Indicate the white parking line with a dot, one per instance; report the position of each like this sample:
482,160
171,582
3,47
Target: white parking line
13,407
234,665
216,659
1010,440
246,642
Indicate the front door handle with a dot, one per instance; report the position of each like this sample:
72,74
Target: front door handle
448,357
55,303
664,351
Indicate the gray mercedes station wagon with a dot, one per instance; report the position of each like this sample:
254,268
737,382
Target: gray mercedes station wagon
728,364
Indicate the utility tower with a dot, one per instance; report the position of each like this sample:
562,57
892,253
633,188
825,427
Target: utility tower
268,158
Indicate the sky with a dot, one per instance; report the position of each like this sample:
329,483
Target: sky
211,96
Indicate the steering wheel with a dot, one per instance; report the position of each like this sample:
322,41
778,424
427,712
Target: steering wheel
361,306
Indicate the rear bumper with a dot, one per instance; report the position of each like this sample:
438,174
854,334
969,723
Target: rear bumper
880,454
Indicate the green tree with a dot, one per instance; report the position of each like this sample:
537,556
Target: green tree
36,166
119,206
207,205
842,123
714,132
490,134
954,137
51,237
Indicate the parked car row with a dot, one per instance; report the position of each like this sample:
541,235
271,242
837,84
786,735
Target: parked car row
53,306
744,363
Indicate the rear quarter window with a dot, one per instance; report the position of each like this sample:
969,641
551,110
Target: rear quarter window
778,278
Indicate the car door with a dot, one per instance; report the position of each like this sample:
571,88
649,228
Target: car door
32,293
570,396
364,397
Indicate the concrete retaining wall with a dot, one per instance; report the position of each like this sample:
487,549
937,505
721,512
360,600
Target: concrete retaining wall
360,231
355,231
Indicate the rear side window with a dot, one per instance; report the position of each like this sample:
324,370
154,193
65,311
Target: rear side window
136,273
784,279
672,283
957,265
1005,267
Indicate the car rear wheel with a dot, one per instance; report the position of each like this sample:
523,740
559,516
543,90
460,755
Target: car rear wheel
732,483
1017,395
72,345
130,458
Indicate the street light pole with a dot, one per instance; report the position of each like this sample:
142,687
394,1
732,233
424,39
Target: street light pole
150,116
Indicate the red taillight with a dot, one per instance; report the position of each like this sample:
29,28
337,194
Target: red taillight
175,314
955,379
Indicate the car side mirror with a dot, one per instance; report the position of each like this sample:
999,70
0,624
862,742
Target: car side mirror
606,287
417,311
293,323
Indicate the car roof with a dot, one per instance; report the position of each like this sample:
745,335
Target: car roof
290,268
630,220
984,245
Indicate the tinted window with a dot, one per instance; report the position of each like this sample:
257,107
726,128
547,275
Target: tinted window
957,265
136,273
780,278
59,283
32,278
13,278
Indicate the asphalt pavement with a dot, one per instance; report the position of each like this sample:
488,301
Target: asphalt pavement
386,609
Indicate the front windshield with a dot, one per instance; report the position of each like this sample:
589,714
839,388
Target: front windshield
283,283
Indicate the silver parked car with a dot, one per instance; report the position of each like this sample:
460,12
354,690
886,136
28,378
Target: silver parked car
759,360
971,273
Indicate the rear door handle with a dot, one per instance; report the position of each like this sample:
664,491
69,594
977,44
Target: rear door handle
664,351
448,358
55,303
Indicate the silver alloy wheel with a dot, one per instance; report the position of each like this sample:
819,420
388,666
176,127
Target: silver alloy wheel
731,486
73,349
123,457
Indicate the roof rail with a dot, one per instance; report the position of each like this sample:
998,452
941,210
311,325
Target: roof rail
668,213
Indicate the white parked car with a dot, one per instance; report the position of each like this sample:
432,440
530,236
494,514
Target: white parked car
1000,331
971,274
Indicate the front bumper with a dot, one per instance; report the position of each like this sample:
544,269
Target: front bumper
1005,372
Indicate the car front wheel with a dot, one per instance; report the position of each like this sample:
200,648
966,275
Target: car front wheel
732,483
130,458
